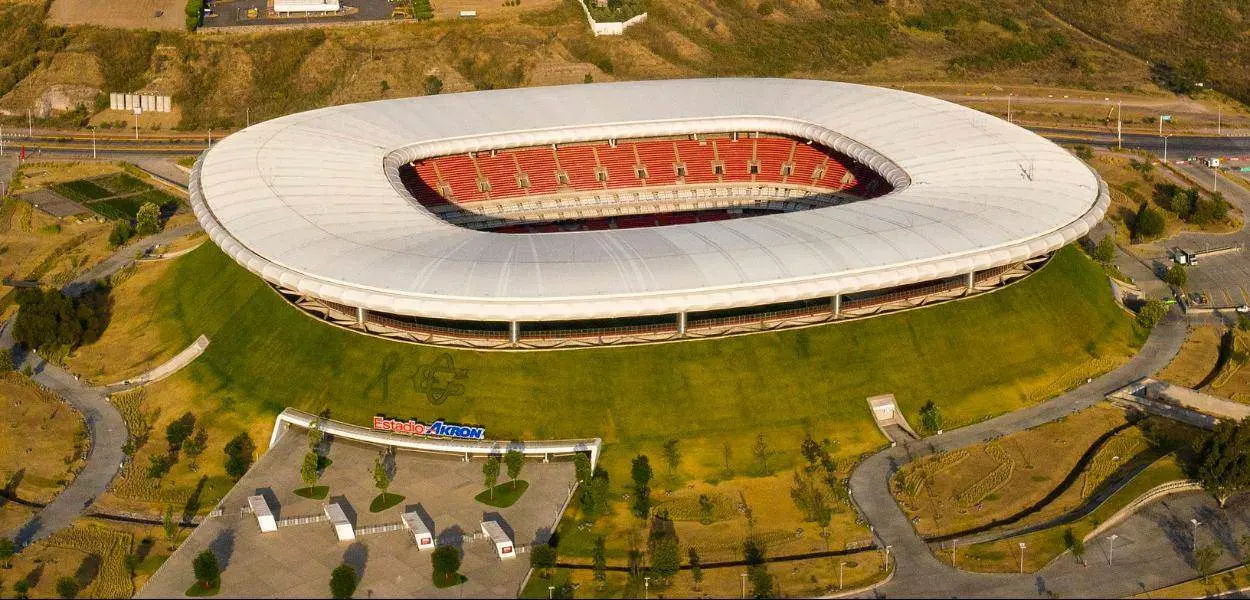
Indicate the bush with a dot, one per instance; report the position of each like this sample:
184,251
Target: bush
239,452
148,220
342,582
158,465
195,9
122,232
1151,313
1083,152
67,587
1176,276
1104,252
1148,224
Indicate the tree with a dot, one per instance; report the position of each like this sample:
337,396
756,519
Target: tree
314,436
761,451
1176,276
194,447
1205,558
7,550
594,494
170,526
343,581
757,572
67,587
662,547
640,470
148,219
179,430
1148,224
641,506
588,78
672,456
543,559
386,86
206,569
6,360
50,321
121,233
308,469
1075,544
812,500
446,562
514,460
433,85
1104,252
158,465
381,477
696,567
1243,322
931,417
1223,460
490,472
1151,313
581,467
599,561
239,452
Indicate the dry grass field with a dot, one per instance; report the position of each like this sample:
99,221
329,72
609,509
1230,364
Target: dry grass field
1198,357
93,552
975,486
42,443
125,14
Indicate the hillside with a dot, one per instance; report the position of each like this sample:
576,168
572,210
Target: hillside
217,78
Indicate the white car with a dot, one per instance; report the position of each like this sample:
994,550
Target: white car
1243,309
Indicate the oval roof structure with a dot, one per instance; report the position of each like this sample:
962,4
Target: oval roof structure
312,202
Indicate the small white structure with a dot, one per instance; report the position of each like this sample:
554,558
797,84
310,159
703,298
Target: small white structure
342,527
468,14
504,547
420,532
305,6
264,516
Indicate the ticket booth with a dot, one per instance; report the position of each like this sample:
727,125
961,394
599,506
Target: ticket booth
264,516
504,548
421,535
342,527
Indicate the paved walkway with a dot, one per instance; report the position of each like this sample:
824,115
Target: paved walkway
105,425
108,434
918,572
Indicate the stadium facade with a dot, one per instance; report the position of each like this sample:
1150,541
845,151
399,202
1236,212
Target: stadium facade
637,212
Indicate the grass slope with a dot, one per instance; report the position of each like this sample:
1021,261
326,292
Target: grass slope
974,358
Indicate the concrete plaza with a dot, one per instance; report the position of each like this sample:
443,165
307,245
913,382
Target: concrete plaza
296,560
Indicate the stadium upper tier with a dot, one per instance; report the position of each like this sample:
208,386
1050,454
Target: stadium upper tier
316,202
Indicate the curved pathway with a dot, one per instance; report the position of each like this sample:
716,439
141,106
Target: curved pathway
107,431
917,571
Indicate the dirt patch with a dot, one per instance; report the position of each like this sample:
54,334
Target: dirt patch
450,9
165,15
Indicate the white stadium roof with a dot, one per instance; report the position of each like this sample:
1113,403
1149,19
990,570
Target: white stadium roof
312,202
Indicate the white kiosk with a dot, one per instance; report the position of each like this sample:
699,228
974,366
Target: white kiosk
420,533
264,516
504,547
342,527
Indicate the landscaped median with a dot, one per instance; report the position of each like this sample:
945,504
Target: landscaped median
1041,547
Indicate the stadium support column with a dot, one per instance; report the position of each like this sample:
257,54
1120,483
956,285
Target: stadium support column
362,315
514,331
972,279
836,302
681,323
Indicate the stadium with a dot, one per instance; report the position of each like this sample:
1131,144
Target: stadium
636,212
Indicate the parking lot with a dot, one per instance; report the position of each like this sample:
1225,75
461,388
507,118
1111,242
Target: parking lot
236,13
1222,280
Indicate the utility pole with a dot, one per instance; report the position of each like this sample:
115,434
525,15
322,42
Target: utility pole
1111,549
1119,125
93,156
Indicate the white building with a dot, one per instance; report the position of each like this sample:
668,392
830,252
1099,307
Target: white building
342,527
421,535
504,548
305,6
264,516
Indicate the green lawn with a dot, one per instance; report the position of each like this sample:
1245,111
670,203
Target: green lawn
384,501
117,208
316,492
974,358
121,183
503,495
81,190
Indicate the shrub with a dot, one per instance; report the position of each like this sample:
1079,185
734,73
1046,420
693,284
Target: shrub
1148,224
1151,313
67,587
122,232
1104,252
194,10
158,465
239,452
148,220
342,581
1176,276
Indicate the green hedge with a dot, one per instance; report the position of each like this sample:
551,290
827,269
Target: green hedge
194,9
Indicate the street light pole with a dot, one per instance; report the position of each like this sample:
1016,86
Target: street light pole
840,564
953,542
93,156
1195,523
1165,149
1021,557
1111,549
885,559
646,587
744,585
1119,125
1009,108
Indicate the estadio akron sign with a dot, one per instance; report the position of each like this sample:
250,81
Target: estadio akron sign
435,429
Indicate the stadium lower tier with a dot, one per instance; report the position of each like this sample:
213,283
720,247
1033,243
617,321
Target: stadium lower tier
515,335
